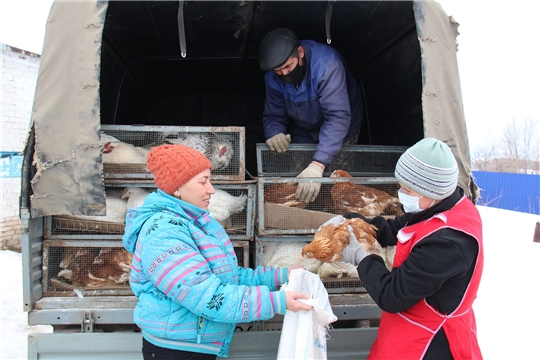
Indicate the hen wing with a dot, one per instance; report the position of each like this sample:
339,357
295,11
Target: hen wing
366,234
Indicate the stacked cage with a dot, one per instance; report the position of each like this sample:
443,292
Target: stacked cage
84,255
360,179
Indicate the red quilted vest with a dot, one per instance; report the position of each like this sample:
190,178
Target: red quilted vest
407,335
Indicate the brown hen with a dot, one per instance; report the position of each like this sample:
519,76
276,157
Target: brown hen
283,194
366,234
330,240
365,200
110,268
75,265
327,244
81,268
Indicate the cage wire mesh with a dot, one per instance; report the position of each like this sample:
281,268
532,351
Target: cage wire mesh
241,249
96,267
124,148
289,253
113,222
233,205
358,160
85,268
280,212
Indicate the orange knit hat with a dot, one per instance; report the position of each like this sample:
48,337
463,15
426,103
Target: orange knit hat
175,165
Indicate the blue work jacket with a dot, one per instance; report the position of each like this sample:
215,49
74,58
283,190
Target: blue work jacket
327,108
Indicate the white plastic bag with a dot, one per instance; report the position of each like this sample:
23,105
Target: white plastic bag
303,335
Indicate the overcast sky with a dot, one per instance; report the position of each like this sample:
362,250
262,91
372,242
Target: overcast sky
498,57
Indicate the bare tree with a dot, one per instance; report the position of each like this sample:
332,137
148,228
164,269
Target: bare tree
517,151
483,158
520,145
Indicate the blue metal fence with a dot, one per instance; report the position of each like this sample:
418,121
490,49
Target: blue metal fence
517,192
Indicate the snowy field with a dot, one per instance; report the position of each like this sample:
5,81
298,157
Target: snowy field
507,308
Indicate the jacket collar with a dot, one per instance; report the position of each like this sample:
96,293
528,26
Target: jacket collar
444,205
193,212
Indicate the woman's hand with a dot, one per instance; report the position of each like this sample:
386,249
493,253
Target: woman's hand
294,267
292,301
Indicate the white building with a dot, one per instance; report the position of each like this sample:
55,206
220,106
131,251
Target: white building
18,83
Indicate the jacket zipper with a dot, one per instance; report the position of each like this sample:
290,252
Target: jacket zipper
199,330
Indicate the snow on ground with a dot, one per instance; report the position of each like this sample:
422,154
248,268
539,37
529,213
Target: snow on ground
15,329
508,305
507,308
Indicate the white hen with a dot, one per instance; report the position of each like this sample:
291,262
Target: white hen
115,212
220,153
329,270
197,141
287,255
119,152
216,148
223,205
135,196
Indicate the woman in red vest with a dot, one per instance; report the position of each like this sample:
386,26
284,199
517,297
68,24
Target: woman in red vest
427,298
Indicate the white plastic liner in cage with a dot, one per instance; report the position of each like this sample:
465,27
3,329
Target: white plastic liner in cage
125,147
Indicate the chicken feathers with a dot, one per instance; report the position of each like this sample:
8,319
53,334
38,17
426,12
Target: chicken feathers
327,244
118,152
216,148
365,200
283,194
135,196
223,205
330,240
197,141
115,212
220,153
366,234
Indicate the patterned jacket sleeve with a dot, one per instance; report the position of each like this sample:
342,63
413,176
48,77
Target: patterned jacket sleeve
268,276
178,270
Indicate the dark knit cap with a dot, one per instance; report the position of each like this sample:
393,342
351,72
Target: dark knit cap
175,165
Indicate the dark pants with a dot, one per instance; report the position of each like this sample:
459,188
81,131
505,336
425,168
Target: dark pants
153,352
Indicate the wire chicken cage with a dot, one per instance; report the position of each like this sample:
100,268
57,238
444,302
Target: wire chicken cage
96,267
287,253
110,226
357,160
125,147
280,213
233,205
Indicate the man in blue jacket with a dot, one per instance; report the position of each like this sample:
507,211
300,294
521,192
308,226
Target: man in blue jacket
311,97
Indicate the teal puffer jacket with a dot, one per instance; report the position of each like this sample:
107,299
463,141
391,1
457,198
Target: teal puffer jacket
190,290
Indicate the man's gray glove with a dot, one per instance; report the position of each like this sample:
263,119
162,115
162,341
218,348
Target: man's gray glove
307,191
354,252
279,142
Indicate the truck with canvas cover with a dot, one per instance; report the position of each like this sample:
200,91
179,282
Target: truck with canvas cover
144,72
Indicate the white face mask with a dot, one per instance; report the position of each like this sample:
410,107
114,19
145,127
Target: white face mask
411,204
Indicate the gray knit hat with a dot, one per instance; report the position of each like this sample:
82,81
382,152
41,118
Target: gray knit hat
429,168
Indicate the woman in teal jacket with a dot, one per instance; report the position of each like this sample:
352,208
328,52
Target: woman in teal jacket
190,290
